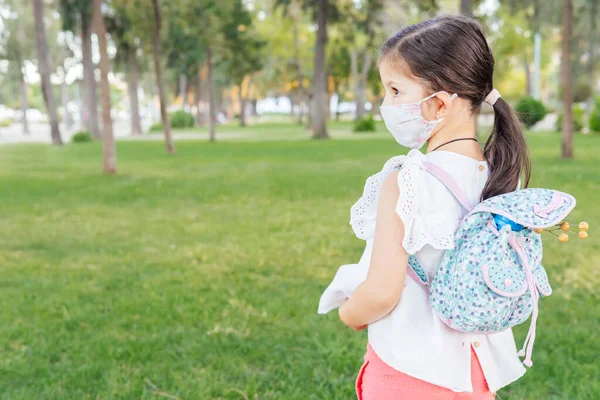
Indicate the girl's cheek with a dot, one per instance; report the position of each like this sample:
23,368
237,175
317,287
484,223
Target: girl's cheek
387,100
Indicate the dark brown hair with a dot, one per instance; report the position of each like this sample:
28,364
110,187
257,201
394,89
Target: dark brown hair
450,53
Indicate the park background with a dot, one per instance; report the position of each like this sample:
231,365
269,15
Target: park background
168,222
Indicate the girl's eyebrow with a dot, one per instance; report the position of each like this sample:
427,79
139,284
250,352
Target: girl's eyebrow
391,82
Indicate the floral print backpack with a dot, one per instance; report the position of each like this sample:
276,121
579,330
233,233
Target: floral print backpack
493,277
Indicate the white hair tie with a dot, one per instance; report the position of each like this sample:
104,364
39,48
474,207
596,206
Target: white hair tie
492,97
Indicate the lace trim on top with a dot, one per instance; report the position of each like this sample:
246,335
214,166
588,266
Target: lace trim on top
421,227
435,228
364,212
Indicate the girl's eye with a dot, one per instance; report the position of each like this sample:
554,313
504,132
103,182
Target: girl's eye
395,91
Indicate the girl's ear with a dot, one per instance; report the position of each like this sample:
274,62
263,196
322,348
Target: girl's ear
443,103
438,106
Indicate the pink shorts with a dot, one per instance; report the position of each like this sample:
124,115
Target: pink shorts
378,381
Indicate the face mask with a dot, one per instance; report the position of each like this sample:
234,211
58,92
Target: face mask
406,123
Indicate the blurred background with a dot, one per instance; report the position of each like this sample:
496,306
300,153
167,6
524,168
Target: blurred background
168,224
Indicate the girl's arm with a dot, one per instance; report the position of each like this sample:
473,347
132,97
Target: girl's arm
380,292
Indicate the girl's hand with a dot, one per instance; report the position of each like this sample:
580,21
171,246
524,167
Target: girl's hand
343,317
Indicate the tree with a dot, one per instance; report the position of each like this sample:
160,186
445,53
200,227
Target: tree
211,93
120,27
108,141
74,12
206,22
183,51
16,47
466,7
66,62
323,11
295,12
288,59
244,51
157,47
362,26
593,10
44,70
567,127
319,106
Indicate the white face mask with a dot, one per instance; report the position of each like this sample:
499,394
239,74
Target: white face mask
406,123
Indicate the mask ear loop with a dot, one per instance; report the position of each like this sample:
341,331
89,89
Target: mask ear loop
433,95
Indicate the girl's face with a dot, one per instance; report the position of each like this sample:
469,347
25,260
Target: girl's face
400,89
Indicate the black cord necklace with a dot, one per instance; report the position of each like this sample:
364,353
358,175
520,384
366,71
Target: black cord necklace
455,140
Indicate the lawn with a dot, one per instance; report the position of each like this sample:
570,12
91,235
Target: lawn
197,276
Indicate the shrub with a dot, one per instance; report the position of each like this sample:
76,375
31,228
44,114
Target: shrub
530,111
365,124
578,116
5,123
158,127
182,119
82,137
595,116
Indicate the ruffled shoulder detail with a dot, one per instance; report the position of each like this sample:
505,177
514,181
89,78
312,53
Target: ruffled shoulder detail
424,223
364,212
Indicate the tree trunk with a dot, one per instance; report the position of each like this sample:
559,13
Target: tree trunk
211,97
90,102
132,91
354,74
360,79
591,60
242,109
311,107
301,106
44,70
156,44
197,97
67,120
23,85
24,103
80,101
567,126
183,90
527,69
299,76
254,103
320,74
465,7
293,102
109,153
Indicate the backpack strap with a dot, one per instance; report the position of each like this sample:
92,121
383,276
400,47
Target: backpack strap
450,184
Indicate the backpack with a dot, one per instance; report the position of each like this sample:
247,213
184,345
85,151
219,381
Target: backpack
493,278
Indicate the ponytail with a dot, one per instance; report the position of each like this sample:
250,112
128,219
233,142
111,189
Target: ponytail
506,153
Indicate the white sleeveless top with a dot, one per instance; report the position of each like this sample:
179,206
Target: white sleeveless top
412,339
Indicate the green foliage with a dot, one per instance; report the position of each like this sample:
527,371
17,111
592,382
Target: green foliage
82,137
595,116
530,111
578,119
242,44
365,124
157,127
181,119
74,13
5,123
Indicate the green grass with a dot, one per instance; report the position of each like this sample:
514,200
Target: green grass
280,129
198,275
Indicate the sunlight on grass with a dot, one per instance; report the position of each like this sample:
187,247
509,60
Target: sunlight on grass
199,274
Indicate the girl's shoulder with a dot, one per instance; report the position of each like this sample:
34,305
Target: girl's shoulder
418,191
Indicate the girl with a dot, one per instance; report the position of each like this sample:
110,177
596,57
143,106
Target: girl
436,74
